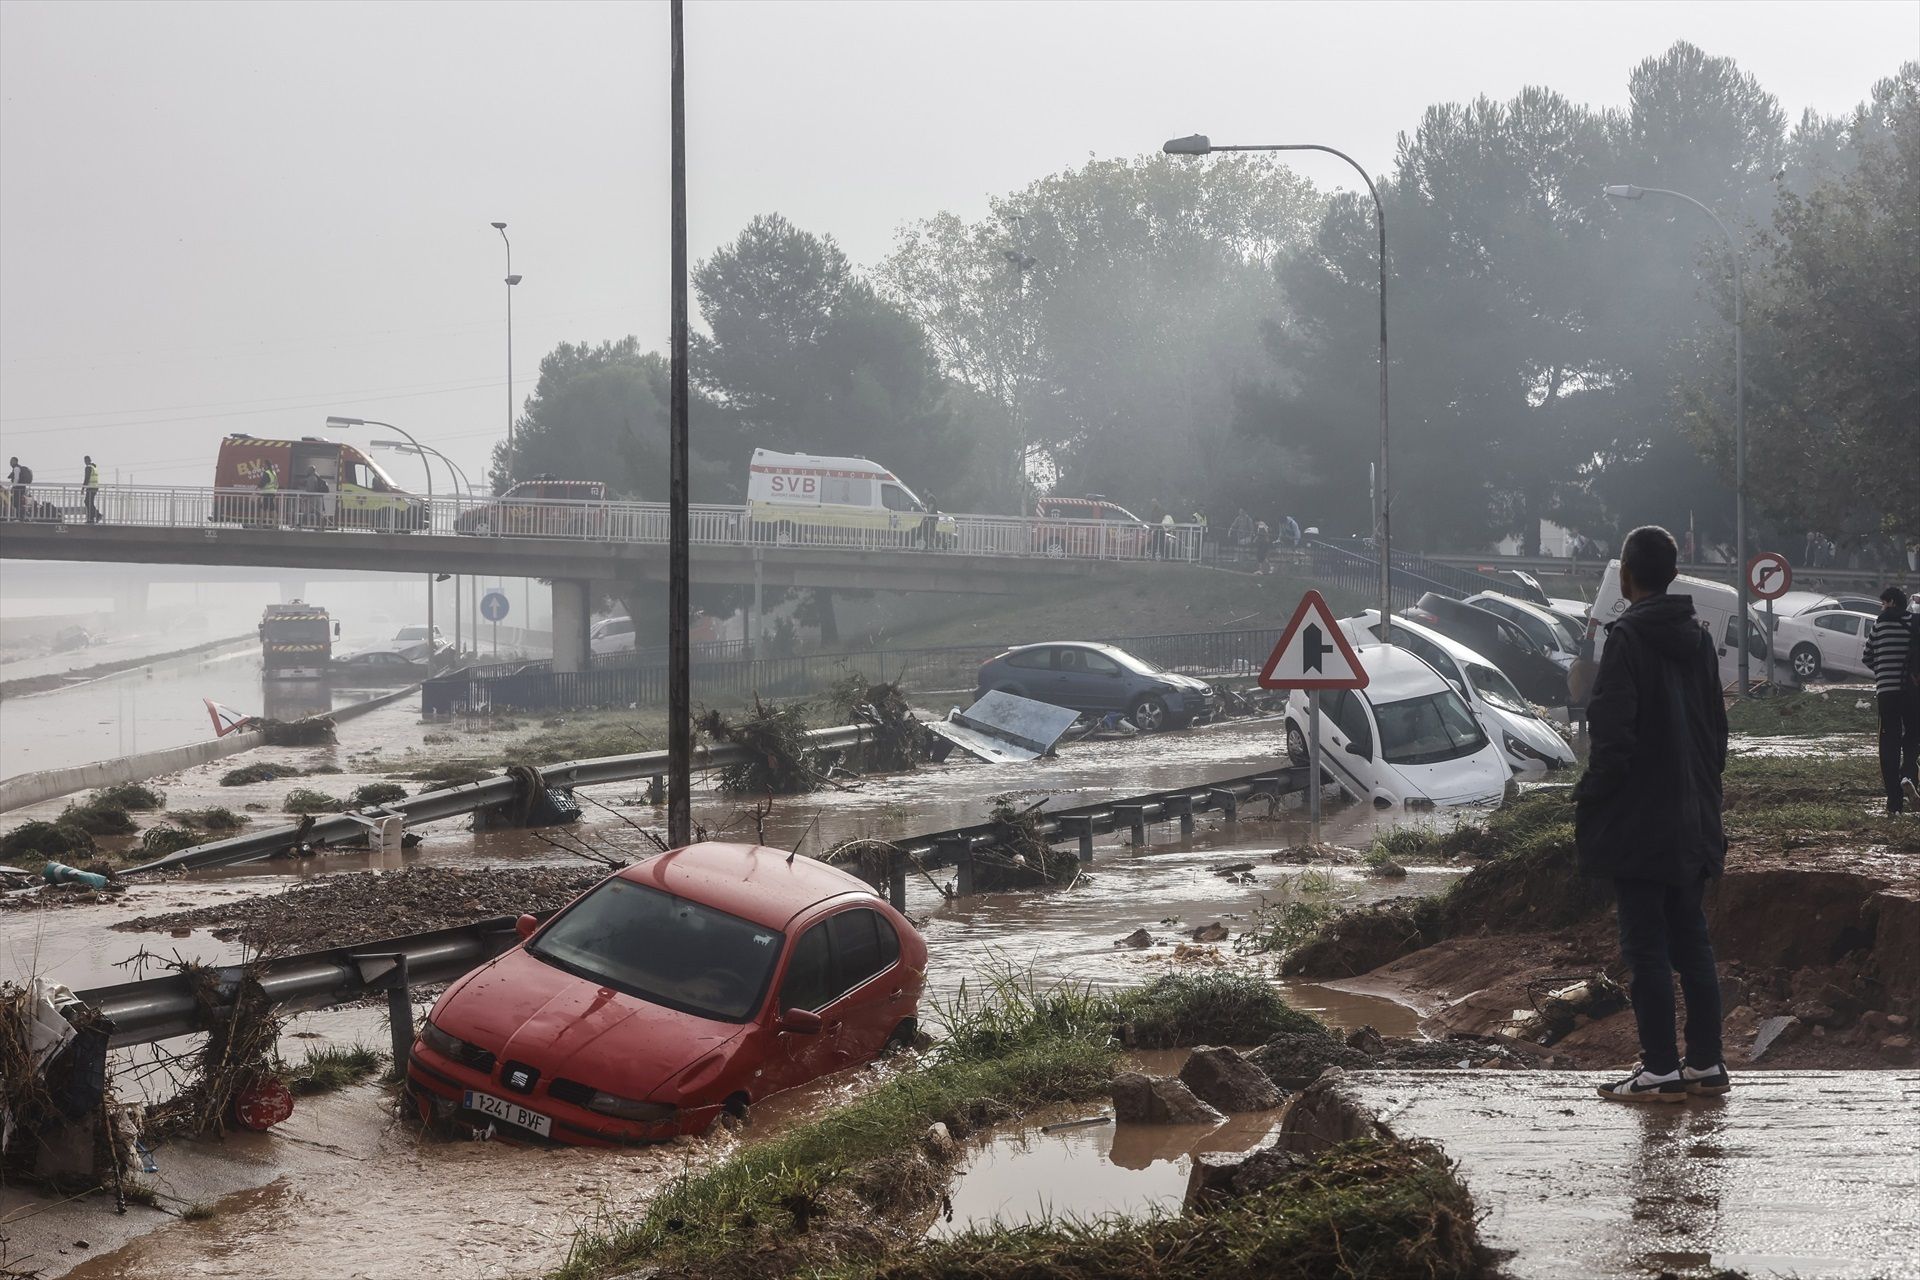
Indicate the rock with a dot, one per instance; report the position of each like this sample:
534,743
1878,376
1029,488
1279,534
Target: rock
1816,1015
1137,939
940,1144
1327,1113
1218,1176
1367,1040
1224,1080
1898,1022
1233,869
1215,932
1386,870
1294,1059
1773,1030
1144,1099
1897,1047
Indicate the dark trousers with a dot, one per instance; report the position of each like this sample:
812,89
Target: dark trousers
93,504
1899,743
1663,931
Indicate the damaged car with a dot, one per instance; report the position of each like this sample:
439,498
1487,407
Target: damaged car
1099,679
676,990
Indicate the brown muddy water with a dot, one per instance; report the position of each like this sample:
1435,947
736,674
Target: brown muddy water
345,1190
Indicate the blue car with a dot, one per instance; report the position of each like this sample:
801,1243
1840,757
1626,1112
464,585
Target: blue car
1097,679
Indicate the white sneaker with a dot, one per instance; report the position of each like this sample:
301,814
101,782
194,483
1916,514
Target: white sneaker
1644,1086
1713,1080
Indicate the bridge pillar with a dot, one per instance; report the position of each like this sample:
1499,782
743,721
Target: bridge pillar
572,619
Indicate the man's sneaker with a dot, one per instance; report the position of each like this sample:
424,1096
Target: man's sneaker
1713,1079
1644,1086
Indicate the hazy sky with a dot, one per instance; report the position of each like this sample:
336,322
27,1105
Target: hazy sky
220,217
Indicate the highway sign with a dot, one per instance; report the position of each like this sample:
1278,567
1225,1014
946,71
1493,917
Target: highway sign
1313,652
493,605
1769,575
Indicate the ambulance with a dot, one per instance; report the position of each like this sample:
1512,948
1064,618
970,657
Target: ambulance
791,492
359,494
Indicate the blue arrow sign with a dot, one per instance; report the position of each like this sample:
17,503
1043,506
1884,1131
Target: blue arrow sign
493,605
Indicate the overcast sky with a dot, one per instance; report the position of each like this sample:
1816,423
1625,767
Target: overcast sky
221,217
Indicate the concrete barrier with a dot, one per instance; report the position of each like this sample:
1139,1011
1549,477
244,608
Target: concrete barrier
31,788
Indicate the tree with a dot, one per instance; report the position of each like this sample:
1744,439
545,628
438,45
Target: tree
1833,324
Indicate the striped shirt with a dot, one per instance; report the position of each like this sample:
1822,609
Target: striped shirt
1889,641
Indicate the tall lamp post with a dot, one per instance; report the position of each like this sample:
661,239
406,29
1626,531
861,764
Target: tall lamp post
1198,145
337,423
512,280
1627,191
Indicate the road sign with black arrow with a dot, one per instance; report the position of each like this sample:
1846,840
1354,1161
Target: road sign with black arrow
1313,652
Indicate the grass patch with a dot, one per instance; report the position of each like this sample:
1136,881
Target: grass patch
1805,714
260,771
334,1067
376,793
162,840
1290,915
324,769
1176,1010
98,818
217,818
578,741
49,840
307,800
129,795
1362,1210
198,1211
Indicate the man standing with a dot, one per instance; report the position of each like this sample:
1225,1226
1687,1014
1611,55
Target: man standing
1647,816
1893,655
19,476
90,481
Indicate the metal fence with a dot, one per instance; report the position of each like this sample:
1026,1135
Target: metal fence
535,686
622,522
1358,569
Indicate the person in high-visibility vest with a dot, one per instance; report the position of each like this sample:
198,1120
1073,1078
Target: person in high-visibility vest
269,494
90,480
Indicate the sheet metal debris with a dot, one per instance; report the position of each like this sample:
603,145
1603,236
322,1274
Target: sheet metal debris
1004,728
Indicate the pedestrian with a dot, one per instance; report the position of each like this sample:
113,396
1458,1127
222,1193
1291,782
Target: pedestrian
317,488
90,483
19,476
1262,544
1647,816
269,494
1156,535
1893,655
929,530
1292,528
1240,532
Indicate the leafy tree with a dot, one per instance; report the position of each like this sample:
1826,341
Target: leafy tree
1833,325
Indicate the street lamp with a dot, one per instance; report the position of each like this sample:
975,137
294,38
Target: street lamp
1627,191
512,280
338,422
1198,145
461,485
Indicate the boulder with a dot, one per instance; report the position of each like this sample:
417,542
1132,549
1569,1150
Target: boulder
1294,1059
1144,1099
1224,1080
1327,1113
1367,1040
1215,932
1137,939
1219,1176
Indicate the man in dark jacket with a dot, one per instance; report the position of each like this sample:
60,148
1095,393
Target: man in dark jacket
1647,816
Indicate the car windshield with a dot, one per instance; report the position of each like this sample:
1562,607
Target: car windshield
1537,629
667,950
1493,685
1132,663
1428,730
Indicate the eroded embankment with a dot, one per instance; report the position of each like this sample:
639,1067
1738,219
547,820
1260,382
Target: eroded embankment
1816,921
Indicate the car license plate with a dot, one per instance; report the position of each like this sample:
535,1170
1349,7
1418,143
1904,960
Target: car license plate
511,1112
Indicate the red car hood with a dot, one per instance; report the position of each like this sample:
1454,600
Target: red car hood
525,1010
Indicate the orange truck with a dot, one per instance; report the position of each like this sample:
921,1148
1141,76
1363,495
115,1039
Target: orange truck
357,494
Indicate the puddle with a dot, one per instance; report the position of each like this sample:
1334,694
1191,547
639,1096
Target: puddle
1086,1171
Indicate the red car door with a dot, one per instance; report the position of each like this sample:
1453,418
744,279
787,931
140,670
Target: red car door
866,954
808,983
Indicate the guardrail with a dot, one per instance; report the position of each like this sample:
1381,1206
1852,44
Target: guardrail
616,522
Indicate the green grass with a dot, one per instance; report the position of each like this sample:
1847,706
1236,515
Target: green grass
376,793
129,795
1178,1010
333,1067
307,800
260,771
1361,1210
1811,714
1290,915
48,840
98,818
159,841
217,818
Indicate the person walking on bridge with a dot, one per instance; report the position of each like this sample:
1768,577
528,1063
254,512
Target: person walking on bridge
1647,816
269,494
90,483
1893,655
19,476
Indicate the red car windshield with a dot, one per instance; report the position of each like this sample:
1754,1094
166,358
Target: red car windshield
666,950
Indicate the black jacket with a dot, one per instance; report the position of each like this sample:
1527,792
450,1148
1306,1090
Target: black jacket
1648,807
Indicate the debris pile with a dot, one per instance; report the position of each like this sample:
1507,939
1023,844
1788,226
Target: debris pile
900,741
1019,857
237,1062
781,759
313,731
56,1111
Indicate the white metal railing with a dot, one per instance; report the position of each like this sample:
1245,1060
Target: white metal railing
627,522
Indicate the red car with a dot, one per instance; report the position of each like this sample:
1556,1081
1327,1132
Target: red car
697,982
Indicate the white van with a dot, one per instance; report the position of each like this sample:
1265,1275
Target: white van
1407,738
1714,603
790,492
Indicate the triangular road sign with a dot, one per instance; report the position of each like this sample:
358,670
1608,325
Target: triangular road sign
1313,652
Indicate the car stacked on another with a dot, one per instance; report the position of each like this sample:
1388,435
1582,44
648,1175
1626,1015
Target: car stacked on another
1824,641
1526,662
695,983
1098,679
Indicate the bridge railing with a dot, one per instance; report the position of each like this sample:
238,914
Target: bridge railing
622,522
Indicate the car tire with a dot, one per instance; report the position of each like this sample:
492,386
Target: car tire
903,1036
1150,715
1806,662
1296,745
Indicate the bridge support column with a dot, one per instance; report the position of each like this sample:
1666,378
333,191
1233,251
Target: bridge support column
572,619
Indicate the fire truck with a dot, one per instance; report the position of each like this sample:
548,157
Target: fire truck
296,641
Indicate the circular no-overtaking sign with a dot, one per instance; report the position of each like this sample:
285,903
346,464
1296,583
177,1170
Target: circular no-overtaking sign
493,606
1769,575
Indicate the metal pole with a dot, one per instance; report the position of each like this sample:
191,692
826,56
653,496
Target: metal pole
1313,763
1740,472
679,652
512,280
1770,626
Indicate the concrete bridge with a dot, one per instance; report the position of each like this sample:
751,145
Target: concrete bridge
574,545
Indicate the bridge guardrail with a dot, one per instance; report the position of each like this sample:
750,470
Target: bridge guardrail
600,522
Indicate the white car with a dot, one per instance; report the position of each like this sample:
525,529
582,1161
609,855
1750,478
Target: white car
1823,640
1556,635
1795,603
612,635
412,642
1407,738
1530,743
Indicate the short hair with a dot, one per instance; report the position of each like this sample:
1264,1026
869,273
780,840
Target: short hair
1894,597
1651,556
